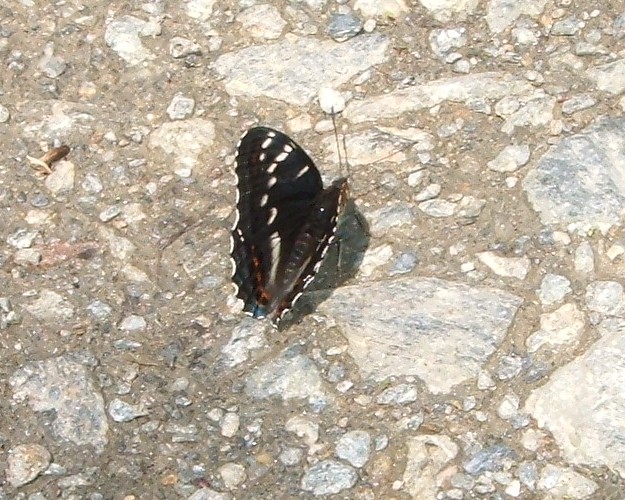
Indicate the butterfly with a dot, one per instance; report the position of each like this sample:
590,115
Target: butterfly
285,222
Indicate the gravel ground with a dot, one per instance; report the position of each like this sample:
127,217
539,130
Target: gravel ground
464,339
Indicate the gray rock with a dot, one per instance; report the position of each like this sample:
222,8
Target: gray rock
5,114
427,456
466,88
25,462
133,323
288,376
304,428
354,447
398,395
291,456
388,217
445,330
510,159
509,367
265,71
489,459
50,307
438,208
443,41
184,140
120,411
609,77
606,297
508,267
180,107
564,482
381,8
537,111
63,385
584,258
50,65
502,13
181,47
200,10
109,213
566,27
262,21
342,27
233,475
328,477
122,36
582,404
208,494
469,207
247,336
61,179
22,238
578,103
553,288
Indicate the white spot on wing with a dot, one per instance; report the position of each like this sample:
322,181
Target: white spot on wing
265,144
288,148
271,168
273,213
263,200
271,182
302,171
276,244
262,156
282,156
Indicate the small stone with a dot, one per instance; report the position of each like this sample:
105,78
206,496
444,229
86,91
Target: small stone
369,26
27,257
291,456
50,306
509,367
22,238
181,107
508,267
50,65
181,47
230,425
342,27
553,289
331,101
329,477
510,159
578,103
398,395
262,21
438,208
584,258
25,462
4,114
109,213
469,207
355,447
430,192
232,474
120,411
509,406
303,428
133,323
62,177
100,310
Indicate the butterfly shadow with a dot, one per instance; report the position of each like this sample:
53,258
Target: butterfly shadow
341,263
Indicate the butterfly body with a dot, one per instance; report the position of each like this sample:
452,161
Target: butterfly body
285,222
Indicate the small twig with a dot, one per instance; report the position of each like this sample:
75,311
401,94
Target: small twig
45,162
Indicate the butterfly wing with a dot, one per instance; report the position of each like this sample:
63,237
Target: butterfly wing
282,215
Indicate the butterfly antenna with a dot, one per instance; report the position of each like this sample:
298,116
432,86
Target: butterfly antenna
338,144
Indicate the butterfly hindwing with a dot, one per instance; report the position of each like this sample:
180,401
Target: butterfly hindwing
285,221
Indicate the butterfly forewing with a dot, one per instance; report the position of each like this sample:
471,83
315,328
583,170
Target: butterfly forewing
285,221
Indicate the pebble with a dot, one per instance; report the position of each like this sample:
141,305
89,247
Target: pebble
133,323
180,107
584,258
27,256
431,191
354,447
233,475
120,411
180,47
230,424
25,463
438,208
62,178
303,428
510,159
398,395
22,238
553,288
509,367
109,213
507,267
262,21
5,114
342,27
329,477
489,459
291,456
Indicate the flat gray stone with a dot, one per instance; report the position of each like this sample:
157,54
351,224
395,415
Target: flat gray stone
427,456
583,404
289,376
122,35
64,385
502,13
609,77
465,88
293,70
329,477
438,330
558,187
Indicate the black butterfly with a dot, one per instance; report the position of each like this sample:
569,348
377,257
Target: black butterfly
285,222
